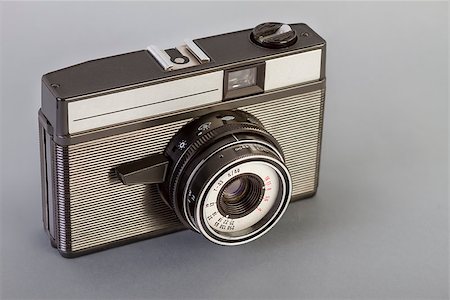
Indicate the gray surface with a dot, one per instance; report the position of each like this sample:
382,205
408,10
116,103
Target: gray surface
376,229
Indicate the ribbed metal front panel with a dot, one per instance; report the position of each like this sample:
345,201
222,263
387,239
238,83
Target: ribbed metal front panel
95,208
296,123
101,208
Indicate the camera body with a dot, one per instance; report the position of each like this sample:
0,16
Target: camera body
136,145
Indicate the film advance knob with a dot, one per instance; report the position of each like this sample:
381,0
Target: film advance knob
273,35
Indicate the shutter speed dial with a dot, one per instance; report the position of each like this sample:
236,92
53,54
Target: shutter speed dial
273,35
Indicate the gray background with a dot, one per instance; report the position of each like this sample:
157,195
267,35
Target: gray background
378,227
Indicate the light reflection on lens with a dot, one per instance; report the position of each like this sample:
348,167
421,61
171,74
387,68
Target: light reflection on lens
234,189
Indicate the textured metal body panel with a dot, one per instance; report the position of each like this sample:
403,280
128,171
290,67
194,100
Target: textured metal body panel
95,209
296,123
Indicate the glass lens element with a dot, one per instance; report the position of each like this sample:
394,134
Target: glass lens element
242,78
240,196
234,189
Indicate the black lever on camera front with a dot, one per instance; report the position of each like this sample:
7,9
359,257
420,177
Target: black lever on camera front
147,170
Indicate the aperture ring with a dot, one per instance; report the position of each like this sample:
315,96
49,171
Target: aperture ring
187,197
265,224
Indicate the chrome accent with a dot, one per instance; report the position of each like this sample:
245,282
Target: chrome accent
61,171
49,179
192,60
283,29
261,231
197,52
46,182
153,100
187,216
161,57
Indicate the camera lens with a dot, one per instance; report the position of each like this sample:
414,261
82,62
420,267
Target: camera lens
229,182
240,196
256,201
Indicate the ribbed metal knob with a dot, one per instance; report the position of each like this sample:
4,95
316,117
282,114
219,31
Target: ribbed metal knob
273,35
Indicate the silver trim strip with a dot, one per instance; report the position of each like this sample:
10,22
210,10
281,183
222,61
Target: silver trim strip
144,102
49,179
161,57
148,104
196,51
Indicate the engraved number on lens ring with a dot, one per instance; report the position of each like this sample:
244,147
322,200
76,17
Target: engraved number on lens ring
220,223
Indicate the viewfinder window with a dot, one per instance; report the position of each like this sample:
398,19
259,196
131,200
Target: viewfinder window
242,78
244,81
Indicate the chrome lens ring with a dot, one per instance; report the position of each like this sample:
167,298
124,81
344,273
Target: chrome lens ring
225,230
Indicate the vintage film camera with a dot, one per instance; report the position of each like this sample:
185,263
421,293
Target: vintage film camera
217,135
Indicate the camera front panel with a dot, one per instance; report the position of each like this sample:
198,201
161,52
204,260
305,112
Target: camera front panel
94,210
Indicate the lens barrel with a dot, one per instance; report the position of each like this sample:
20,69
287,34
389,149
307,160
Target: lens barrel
227,179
